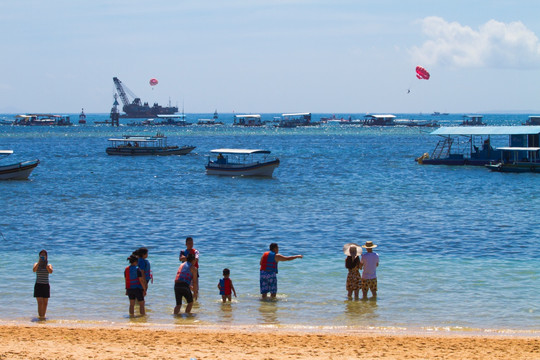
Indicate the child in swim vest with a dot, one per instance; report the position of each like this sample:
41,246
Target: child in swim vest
226,286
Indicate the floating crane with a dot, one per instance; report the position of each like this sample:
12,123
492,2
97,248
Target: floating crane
135,108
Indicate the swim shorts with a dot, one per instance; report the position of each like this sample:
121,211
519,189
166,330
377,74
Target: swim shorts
370,284
268,282
42,290
135,294
181,289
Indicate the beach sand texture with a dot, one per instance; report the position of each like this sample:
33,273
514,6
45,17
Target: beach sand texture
67,342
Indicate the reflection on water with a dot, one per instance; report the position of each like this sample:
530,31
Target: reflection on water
137,319
360,312
268,312
227,312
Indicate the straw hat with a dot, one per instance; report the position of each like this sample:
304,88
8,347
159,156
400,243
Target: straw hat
369,245
347,247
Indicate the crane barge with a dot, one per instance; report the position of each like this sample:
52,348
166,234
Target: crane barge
135,108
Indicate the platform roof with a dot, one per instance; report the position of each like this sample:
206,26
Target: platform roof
487,130
240,151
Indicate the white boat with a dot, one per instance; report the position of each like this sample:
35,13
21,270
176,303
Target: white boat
17,171
136,145
241,162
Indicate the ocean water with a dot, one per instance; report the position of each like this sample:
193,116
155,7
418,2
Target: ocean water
459,246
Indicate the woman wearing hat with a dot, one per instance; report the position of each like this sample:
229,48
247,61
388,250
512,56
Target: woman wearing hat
352,263
369,262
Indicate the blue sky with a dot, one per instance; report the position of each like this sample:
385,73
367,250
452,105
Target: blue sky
262,56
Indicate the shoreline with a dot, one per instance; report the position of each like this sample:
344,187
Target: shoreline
40,340
139,323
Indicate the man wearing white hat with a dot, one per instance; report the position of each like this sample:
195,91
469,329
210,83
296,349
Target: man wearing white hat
369,262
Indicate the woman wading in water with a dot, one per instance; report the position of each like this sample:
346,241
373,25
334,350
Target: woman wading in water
42,289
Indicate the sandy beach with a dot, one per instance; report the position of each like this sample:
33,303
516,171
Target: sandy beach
42,341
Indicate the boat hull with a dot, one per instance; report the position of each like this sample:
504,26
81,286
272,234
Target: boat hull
515,168
19,171
449,161
265,169
144,151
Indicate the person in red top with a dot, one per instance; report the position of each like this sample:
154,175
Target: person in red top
226,286
189,250
269,268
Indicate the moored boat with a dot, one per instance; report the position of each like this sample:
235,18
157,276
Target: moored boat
473,120
16,171
472,145
136,145
42,120
247,120
517,159
296,119
379,120
241,162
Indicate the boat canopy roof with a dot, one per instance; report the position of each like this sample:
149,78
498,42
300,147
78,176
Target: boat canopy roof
380,116
509,148
172,116
240,151
41,115
487,130
137,139
296,114
247,116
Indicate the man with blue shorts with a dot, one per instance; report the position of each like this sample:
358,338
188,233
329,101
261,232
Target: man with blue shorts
269,270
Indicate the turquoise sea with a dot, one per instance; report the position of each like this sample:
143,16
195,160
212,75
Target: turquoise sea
459,246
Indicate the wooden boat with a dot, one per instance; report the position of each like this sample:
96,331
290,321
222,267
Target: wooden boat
17,171
241,162
472,145
135,145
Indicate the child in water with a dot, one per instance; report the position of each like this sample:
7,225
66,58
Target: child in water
226,286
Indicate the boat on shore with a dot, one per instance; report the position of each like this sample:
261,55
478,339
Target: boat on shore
16,171
241,162
137,145
472,145
42,120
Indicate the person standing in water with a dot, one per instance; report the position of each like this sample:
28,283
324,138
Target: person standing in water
369,262
135,285
352,263
269,270
42,288
185,280
225,286
144,265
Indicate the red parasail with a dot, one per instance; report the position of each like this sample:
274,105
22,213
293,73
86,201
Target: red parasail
422,73
153,82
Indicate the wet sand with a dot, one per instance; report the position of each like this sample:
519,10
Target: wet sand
44,341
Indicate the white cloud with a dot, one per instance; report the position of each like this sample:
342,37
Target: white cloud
494,44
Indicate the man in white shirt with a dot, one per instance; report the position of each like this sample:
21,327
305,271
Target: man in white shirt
369,262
